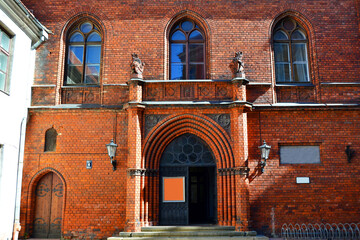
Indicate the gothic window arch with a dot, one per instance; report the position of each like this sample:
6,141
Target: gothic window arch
290,43
83,54
187,42
50,140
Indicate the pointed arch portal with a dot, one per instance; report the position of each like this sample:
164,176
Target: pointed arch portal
194,153
187,182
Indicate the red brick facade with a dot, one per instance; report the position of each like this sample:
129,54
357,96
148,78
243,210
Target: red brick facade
144,116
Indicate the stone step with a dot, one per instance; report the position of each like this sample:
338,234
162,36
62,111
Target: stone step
178,233
192,237
188,232
186,228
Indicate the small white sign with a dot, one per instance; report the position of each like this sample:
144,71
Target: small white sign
302,180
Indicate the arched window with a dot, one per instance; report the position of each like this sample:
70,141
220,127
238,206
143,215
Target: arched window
290,51
187,51
50,140
83,57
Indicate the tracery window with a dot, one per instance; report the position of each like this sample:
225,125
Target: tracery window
5,44
83,59
290,51
187,51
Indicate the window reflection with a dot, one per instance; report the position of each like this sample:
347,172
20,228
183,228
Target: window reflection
290,51
83,55
187,51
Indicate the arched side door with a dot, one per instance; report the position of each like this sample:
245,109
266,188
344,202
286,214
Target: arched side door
187,182
49,194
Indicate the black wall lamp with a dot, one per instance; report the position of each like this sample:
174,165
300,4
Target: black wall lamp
350,153
265,150
111,147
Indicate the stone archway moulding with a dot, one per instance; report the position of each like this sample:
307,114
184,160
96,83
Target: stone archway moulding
174,126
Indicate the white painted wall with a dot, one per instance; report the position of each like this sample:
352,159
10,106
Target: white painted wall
13,109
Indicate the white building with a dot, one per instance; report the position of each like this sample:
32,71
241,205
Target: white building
20,34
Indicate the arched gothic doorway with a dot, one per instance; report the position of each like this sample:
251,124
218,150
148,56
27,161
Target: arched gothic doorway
49,194
187,182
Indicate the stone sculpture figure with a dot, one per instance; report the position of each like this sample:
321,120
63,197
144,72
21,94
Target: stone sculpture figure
237,65
137,66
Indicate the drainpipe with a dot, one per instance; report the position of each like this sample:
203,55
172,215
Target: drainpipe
41,40
17,226
44,30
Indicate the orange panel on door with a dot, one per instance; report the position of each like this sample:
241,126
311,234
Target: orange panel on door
173,189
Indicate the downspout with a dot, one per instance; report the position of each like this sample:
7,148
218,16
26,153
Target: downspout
41,40
17,226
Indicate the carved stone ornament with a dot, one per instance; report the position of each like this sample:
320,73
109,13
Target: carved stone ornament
151,120
237,65
242,171
132,172
137,66
223,120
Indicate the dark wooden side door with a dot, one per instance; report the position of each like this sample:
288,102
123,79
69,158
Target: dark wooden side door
48,207
174,213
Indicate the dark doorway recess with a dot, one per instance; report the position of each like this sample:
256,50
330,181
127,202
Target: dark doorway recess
190,158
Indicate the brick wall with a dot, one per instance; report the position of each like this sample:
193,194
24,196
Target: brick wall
100,202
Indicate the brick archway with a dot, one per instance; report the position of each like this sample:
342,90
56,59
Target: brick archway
220,144
174,126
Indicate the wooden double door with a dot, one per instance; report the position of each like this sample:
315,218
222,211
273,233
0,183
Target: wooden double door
49,195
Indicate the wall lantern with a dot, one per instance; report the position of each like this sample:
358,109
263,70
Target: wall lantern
265,150
111,147
350,153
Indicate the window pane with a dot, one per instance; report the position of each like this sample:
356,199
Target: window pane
3,62
5,41
77,37
74,74
76,54
300,73
178,35
2,81
187,26
282,72
178,53
196,35
280,35
281,51
196,71
196,52
178,71
92,74
86,27
93,54
94,37
299,52
298,35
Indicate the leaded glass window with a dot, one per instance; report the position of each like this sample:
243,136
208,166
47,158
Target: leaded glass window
187,51
83,54
291,52
187,150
